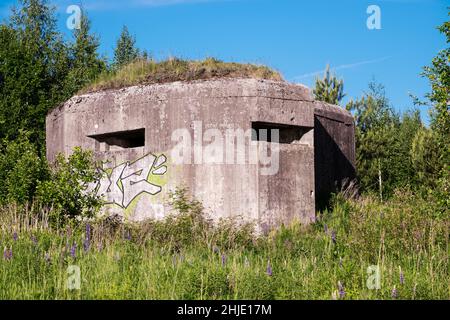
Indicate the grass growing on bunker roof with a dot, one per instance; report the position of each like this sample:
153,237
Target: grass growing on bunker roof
174,69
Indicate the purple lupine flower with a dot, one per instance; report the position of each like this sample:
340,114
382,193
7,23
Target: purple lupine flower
333,236
7,254
325,228
128,235
86,245
15,236
73,250
269,269
224,259
402,278
88,232
394,293
341,290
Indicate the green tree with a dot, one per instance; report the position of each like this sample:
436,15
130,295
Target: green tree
33,69
329,88
86,64
438,74
125,51
383,142
21,170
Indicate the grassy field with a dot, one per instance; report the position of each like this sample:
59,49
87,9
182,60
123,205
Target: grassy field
186,257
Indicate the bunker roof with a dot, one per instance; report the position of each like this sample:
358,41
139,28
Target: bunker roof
144,72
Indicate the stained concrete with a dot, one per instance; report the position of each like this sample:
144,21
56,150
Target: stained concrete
316,147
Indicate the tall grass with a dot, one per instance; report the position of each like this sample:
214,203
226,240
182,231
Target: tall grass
186,256
144,71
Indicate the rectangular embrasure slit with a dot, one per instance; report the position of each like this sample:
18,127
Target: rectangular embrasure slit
281,133
119,140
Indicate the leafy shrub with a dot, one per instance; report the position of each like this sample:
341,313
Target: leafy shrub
21,170
66,189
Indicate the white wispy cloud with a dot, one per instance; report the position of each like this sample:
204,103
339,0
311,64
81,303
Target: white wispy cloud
340,67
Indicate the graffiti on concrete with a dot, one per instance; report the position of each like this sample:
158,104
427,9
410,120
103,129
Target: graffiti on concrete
123,183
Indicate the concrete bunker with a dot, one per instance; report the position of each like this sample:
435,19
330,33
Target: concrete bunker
260,150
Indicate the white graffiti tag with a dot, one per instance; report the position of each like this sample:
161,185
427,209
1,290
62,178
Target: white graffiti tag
128,180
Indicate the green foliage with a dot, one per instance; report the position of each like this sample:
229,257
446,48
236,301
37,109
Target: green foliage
33,68
189,226
21,170
86,65
125,51
329,89
383,143
425,156
66,190
439,76
39,70
402,236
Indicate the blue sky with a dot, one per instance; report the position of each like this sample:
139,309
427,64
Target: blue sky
298,38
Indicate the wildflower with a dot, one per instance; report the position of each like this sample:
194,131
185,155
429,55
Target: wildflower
7,254
333,236
15,236
224,259
269,269
325,228
86,245
88,232
215,249
394,293
128,235
402,278
341,290
73,250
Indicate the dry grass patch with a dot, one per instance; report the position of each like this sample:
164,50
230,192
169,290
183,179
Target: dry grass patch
174,69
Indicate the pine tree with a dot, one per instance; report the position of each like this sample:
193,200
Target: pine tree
125,51
329,89
86,64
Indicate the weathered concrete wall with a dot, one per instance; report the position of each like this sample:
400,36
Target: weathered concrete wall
278,186
334,152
